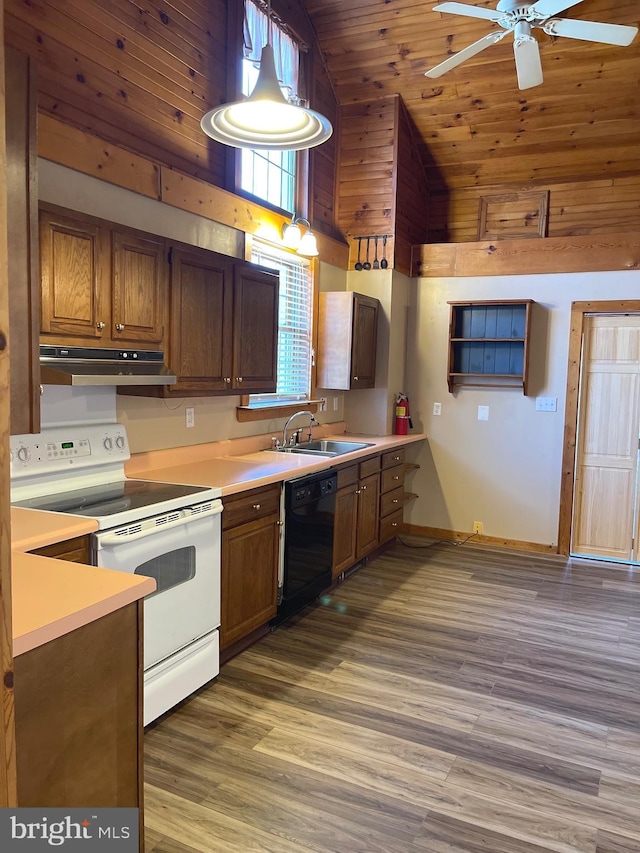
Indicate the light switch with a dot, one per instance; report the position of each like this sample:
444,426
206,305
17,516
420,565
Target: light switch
437,408
483,413
546,404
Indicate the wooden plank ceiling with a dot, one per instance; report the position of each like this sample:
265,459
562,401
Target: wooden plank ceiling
476,127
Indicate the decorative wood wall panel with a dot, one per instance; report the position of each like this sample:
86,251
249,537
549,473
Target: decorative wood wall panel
605,206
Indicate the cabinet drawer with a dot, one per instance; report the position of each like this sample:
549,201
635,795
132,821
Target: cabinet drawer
73,550
247,506
391,501
369,466
348,475
393,457
390,526
392,478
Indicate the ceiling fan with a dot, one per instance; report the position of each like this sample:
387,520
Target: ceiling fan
521,17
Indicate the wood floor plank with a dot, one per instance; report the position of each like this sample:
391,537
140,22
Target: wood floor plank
442,699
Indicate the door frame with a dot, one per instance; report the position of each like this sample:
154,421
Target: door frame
578,312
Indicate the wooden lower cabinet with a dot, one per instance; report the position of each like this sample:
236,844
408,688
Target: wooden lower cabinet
72,550
78,703
357,512
391,494
249,570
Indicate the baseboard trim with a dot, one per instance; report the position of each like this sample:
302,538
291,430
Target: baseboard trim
458,536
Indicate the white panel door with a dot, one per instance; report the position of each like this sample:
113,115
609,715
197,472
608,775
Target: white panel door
607,459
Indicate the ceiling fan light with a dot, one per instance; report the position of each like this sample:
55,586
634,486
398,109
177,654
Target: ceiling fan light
266,120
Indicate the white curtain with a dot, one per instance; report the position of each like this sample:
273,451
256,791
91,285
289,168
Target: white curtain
286,52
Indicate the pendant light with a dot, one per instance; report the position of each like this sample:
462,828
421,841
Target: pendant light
266,120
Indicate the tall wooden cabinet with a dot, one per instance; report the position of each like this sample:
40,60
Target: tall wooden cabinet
101,285
347,340
22,239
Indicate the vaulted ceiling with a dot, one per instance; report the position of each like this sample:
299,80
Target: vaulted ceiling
476,127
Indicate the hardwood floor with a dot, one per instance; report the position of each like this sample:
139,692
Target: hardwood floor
443,699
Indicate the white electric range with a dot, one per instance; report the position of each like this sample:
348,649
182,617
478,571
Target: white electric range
165,531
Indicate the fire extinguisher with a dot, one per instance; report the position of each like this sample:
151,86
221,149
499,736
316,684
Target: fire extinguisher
403,419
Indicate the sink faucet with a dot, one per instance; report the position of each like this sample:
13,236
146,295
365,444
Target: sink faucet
312,421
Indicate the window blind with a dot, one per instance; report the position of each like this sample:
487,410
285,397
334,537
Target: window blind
295,317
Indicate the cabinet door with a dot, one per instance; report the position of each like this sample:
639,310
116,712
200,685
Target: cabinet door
364,341
22,238
75,279
138,288
368,514
255,330
201,322
345,529
249,577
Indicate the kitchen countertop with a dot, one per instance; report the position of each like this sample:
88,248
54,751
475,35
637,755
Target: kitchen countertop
253,467
53,597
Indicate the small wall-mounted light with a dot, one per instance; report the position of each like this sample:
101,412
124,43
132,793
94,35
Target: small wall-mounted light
304,244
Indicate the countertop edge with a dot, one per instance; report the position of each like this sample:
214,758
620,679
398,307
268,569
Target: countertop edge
49,576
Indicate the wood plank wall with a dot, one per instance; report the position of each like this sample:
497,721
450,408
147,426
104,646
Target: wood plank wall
141,77
381,183
605,206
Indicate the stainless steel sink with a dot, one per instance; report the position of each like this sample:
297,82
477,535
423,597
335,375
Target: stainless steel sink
325,447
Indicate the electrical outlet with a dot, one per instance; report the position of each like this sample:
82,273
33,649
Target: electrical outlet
437,408
483,413
477,527
323,404
190,417
546,404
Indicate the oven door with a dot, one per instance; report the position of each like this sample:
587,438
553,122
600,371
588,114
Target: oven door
180,550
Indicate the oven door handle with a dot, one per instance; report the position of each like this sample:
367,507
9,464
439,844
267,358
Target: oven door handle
119,536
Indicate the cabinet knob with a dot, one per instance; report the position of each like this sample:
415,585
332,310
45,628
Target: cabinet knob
394,501
227,379
238,378
257,506
396,477
355,378
119,327
100,326
394,523
357,492
396,458
364,488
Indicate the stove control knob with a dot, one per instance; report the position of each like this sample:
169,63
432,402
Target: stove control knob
108,443
11,456
119,442
23,454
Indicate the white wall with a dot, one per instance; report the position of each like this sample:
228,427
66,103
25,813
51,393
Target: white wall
504,472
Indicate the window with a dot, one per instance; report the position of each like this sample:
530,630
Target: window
269,175
295,322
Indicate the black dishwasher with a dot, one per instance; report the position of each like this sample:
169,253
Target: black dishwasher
310,505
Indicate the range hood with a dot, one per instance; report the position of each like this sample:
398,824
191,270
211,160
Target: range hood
93,366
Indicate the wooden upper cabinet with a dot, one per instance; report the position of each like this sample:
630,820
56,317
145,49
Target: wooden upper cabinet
100,285
200,333
22,238
139,288
255,330
75,268
347,340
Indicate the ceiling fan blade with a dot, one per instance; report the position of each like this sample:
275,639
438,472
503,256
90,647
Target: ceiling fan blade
528,65
591,31
547,8
466,53
471,11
